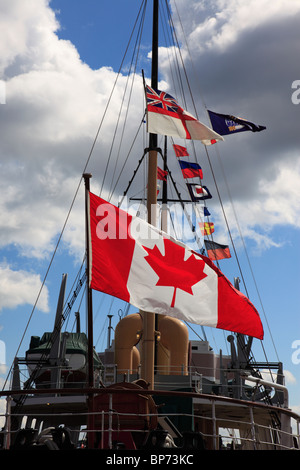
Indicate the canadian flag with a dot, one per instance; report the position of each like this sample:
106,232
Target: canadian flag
136,262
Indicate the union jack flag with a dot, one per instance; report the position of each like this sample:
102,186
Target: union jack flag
166,117
162,101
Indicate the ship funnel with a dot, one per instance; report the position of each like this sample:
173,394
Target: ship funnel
172,346
127,335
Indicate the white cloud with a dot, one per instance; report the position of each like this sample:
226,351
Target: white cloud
3,404
278,201
21,288
289,378
281,197
274,205
243,64
27,30
55,103
221,23
272,377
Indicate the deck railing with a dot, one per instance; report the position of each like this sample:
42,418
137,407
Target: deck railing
218,431
248,432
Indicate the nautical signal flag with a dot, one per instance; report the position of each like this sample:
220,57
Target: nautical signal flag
190,170
138,263
161,174
180,151
215,251
166,117
207,228
202,211
226,124
198,193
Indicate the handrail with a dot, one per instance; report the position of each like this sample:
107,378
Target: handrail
96,391
236,440
185,380
106,390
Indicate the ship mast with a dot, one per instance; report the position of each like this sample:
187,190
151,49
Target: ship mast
148,341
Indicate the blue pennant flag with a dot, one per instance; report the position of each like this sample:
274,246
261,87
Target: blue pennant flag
225,124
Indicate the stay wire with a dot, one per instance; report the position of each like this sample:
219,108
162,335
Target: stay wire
70,209
136,55
183,66
226,221
176,42
189,53
202,98
42,286
117,77
245,249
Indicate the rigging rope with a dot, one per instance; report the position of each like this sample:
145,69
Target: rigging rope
177,48
49,344
137,45
72,203
246,251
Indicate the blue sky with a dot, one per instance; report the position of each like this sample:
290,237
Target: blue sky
58,81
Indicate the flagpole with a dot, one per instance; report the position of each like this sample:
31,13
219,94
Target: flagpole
90,352
160,352
164,214
148,338
87,177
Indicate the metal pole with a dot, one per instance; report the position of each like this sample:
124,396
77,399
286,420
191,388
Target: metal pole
109,330
252,427
87,177
214,425
7,428
164,209
90,377
102,429
110,412
148,339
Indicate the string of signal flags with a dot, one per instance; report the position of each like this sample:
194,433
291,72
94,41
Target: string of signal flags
166,117
198,192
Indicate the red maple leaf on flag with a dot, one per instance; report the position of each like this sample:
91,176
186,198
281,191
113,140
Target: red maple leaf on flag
173,270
